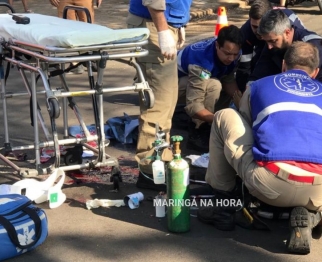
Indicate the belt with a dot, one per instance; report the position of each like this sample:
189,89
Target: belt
288,176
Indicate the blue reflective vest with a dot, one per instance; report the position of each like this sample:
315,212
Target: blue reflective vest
286,115
177,12
203,54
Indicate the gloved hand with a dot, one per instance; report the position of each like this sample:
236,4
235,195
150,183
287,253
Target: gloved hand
167,44
182,37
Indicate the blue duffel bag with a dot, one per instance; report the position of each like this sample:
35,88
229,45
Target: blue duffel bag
23,226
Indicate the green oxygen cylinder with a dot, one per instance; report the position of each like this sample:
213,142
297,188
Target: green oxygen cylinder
178,195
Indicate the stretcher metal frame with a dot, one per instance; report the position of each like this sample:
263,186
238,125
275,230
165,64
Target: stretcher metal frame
40,61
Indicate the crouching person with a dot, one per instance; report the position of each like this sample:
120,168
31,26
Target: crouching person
274,145
205,69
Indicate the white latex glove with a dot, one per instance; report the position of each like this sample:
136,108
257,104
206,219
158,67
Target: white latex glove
182,37
167,44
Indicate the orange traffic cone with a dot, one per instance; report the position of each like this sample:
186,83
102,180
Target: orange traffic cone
222,20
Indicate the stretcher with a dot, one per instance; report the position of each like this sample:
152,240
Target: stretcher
44,46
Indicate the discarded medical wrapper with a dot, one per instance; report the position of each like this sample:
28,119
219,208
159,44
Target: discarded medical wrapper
40,191
133,200
200,161
104,203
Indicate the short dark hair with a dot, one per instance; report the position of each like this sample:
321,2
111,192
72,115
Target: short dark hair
259,8
302,55
230,33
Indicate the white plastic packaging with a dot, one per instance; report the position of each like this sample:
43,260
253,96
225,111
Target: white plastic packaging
95,203
158,172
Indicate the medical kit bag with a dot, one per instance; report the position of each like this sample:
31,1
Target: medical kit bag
23,226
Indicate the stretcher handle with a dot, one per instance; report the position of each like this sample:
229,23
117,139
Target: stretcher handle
77,8
9,6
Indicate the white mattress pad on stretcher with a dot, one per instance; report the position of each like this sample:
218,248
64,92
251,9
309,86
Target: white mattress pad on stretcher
58,32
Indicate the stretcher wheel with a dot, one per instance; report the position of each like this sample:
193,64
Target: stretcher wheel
54,109
149,98
71,159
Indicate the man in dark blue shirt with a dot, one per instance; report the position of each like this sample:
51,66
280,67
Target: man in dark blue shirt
252,43
276,30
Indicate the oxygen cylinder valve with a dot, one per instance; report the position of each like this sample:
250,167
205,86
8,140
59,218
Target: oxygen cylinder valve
176,145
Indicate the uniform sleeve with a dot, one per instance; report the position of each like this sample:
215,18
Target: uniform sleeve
244,66
155,4
265,66
196,89
295,20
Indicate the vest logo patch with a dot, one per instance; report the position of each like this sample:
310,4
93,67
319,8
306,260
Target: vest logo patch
298,84
204,75
202,44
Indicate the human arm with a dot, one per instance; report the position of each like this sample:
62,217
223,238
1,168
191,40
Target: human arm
266,65
243,72
244,65
244,106
229,85
167,43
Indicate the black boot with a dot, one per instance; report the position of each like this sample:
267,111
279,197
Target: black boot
198,139
222,213
302,221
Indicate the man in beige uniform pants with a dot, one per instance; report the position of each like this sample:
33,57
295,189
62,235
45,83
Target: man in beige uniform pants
274,145
165,20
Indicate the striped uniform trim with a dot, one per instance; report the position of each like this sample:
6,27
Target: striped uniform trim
310,37
246,58
287,106
294,17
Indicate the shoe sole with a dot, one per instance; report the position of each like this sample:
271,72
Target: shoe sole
300,237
